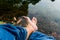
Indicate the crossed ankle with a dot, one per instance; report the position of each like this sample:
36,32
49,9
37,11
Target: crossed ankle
29,27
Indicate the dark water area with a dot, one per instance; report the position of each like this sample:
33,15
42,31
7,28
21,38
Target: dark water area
46,11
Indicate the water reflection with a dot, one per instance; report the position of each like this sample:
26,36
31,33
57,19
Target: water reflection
52,0
14,8
46,11
48,14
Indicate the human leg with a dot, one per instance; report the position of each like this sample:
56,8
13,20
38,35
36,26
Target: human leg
31,27
33,34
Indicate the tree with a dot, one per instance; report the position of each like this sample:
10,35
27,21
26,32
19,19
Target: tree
11,8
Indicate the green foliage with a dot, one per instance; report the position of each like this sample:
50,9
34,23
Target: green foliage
10,3
14,8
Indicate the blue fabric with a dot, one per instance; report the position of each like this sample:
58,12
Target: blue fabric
11,32
40,36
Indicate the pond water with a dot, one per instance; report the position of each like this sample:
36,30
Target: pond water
48,15
46,11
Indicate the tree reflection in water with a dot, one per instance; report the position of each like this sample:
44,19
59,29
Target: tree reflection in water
52,0
16,8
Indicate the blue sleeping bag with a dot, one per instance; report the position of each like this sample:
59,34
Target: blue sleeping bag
11,32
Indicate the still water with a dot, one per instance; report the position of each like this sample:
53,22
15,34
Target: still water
46,11
48,15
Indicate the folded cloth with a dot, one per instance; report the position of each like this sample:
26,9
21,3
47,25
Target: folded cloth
40,36
11,32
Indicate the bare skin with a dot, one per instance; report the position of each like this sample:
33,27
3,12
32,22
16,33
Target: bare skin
31,27
19,21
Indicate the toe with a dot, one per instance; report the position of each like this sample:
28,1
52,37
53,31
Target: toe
34,20
27,18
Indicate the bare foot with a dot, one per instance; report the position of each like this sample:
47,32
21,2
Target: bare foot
31,23
31,27
34,20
